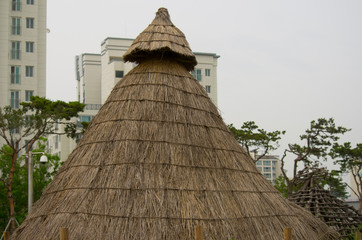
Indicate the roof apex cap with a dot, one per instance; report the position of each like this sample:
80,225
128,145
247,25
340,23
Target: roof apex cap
161,39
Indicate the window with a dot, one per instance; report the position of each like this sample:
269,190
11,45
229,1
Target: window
267,175
258,162
56,140
208,88
85,118
30,2
274,163
119,74
29,71
15,74
14,99
15,50
28,95
29,22
30,47
207,72
267,169
259,169
267,163
16,5
15,131
15,28
83,90
197,74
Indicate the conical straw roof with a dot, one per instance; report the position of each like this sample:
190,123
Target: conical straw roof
157,161
161,38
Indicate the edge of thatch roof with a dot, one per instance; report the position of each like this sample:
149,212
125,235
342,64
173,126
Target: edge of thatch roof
163,40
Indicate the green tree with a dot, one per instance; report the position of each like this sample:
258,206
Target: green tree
330,180
350,160
281,185
334,183
318,140
76,131
21,128
251,136
43,174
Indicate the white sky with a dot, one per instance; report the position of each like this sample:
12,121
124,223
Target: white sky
282,63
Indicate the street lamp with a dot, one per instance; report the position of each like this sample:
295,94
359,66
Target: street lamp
43,159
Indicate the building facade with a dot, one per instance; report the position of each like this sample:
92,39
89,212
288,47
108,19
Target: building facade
22,50
355,186
269,166
97,74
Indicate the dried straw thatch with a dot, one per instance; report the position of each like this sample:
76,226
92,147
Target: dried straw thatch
322,204
158,160
161,39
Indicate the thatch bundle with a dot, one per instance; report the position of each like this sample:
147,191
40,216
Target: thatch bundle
158,160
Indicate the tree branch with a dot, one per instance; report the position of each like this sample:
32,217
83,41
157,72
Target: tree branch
5,152
265,152
349,186
282,167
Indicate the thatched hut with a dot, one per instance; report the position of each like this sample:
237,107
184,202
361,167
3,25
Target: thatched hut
158,160
328,208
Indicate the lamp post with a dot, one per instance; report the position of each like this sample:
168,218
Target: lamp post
43,159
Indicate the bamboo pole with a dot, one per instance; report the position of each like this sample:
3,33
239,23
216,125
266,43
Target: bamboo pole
6,235
64,234
198,233
358,235
287,233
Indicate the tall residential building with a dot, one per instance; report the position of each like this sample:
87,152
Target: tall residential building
96,75
354,184
113,67
269,166
22,50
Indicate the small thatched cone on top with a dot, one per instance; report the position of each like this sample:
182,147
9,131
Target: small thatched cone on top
158,160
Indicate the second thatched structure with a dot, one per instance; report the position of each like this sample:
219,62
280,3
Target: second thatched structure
328,208
158,160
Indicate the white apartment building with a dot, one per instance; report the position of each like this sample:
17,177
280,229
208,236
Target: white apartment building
22,50
353,200
97,74
353,184
269,166
113,67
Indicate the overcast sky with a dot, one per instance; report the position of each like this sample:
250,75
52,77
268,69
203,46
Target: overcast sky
282,63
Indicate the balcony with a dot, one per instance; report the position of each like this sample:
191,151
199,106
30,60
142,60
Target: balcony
15,53
15,103
92,106
15,30
15,78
